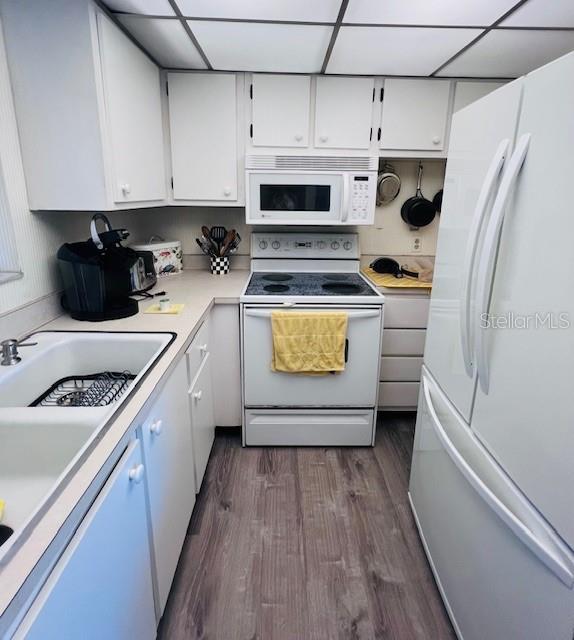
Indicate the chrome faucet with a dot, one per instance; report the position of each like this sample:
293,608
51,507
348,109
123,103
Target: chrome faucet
10,351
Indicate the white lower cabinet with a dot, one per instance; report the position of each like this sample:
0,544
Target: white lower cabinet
202,418
168,453
102,585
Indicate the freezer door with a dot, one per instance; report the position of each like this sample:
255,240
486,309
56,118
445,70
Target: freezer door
356,386
523,408
501,570
481,140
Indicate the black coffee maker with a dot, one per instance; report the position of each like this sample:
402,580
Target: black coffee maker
100,274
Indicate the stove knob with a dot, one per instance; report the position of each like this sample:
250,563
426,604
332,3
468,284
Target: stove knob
263,244
321,244
347,245
335,245
276,244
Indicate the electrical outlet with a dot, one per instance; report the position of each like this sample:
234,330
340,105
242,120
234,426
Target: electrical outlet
417,244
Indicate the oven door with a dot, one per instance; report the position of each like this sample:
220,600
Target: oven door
295,198
355,387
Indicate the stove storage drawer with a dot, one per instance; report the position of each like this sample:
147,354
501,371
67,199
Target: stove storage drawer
303,427
356,386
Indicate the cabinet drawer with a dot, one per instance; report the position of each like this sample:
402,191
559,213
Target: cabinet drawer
403,342
398,395
198,350
401,369
402,312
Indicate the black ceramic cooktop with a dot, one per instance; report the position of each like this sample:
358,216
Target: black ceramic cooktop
307,284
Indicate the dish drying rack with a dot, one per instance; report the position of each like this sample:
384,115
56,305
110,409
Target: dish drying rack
95,390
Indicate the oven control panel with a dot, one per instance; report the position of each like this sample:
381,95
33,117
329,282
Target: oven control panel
305,245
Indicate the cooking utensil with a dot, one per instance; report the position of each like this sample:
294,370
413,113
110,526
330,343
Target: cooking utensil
389,265
388,185
208,240
417,211
205,247
229,238
218,234
233,246
437,200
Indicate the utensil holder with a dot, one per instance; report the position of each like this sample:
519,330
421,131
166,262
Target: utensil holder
219,266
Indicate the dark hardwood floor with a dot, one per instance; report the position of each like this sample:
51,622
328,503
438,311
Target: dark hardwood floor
306,544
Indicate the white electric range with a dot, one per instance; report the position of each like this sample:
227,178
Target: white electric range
311,272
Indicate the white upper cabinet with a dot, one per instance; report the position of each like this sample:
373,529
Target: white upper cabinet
88,105
203,130
343,112
467,92
414,115
280,110
133,117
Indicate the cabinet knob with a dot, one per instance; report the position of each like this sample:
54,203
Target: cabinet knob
436,140
136,473
203,349
156,427
226,191
298,137
197,395
126,188
323,138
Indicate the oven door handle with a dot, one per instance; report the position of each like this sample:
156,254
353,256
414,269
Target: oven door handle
353,315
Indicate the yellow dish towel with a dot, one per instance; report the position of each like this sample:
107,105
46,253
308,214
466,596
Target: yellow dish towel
309,342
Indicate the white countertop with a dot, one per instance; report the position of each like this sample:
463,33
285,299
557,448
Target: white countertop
198,290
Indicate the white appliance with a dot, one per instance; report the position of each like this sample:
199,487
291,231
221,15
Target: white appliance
309,272
310,190
492,474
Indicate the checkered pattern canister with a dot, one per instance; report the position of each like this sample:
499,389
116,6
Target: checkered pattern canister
220,266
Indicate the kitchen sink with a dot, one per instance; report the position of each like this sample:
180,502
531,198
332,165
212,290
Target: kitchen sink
63,355
43,443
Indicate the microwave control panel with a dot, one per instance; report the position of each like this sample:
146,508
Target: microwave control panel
362,198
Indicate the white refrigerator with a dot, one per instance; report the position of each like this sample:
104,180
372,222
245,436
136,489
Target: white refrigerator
492,479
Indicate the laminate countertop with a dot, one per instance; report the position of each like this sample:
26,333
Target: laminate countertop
198,291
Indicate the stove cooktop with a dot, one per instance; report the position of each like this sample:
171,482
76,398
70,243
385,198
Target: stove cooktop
307,284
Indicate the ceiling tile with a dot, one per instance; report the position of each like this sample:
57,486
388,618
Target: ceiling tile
427,12
509,53
395,51
301,10
244,46
542,13
144,7
166,41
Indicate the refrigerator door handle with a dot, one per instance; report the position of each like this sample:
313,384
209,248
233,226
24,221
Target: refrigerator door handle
476,229
487,262
548,552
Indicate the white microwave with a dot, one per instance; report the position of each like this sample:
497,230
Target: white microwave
310,190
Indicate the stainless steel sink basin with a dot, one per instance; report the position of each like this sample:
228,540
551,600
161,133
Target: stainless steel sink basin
41,447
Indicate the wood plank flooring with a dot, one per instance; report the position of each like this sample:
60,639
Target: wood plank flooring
306,544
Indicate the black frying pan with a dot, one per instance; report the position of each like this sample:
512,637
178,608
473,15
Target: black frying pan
418,211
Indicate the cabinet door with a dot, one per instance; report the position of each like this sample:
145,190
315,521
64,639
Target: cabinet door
166,437
467,92
102,585
202,419
343,112
281,111
203,126
414,114
132,106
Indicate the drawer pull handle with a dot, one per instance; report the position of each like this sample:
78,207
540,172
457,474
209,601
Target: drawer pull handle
136,473
197,395
156,427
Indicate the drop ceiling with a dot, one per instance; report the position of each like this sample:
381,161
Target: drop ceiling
441,38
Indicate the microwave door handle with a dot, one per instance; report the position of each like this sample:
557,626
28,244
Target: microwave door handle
345,198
